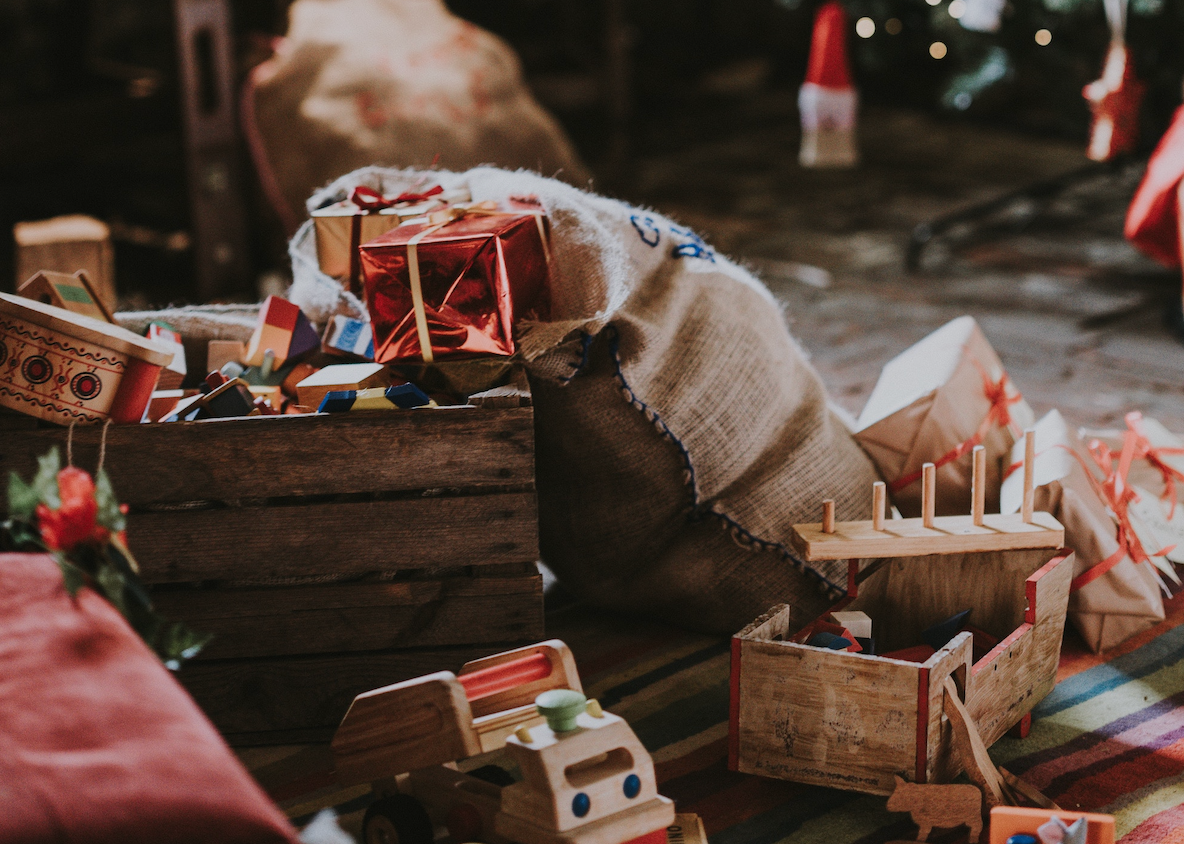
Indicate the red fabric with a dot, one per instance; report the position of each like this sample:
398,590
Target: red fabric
828,48
1153,219
98,743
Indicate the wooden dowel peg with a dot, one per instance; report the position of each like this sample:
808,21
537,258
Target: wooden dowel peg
1029,474
928,493
978,485
828,516
879,503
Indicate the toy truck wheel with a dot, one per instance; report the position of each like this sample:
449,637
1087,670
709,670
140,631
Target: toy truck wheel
397,819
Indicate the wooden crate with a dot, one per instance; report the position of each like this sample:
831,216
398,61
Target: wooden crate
328,554
853,721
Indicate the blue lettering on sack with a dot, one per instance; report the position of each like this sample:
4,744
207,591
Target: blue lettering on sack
647,230
692,245
350,334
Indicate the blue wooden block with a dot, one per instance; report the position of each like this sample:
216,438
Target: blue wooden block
406,396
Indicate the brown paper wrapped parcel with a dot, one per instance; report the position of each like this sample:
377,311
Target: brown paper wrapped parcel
1123,601
933,403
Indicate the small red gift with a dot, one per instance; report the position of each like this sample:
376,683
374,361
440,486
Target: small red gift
456,283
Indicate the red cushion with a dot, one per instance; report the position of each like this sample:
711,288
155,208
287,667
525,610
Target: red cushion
1153,220
98,742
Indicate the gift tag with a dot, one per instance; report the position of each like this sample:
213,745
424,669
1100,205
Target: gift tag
1153,527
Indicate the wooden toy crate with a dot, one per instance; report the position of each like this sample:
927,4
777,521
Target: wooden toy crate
328,554
853,721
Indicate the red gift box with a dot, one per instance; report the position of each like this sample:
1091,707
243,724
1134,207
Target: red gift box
456,283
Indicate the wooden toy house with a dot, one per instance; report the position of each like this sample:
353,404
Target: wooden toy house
855,720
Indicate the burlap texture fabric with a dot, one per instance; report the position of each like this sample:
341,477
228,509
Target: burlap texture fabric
680,430
400,82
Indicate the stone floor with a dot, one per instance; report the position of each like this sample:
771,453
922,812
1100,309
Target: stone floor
1075,313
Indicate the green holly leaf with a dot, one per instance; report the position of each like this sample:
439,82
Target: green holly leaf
45,482
22,499
112,582
109,515
179,644
73,577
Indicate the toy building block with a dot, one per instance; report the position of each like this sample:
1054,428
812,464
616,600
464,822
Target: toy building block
788,698
227,397
338,378
163,402
858,623
399,396
294,376
284,330
586,779
172,375
1007,821
66,245
69,292
221,352
941,806
348,336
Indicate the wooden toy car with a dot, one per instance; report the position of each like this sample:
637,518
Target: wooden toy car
428,746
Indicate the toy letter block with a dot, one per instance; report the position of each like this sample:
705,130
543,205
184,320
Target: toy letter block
69,292
348,336
857,622
172,375
341,377
283,330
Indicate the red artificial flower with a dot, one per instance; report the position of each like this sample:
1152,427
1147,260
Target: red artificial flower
74,521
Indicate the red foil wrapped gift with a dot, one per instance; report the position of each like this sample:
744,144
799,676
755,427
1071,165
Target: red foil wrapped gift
456,283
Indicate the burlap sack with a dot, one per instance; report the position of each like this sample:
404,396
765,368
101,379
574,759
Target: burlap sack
1127,599
933,403
680,432
397,82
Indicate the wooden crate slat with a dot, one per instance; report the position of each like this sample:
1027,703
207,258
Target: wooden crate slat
346,617
265,457
250,543
264,700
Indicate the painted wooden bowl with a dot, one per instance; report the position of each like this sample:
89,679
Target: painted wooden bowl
64,367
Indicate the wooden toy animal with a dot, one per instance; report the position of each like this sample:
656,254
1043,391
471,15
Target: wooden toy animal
944,806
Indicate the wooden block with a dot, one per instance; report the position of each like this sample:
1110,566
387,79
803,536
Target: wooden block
909,537
69,292
1007,821
66,245
686,829
174,373
857,622
350,337
284,330
403,727
267,621
183,462
345,376
940,806
350,537
221,352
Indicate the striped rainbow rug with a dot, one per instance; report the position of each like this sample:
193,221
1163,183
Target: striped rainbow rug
1110,738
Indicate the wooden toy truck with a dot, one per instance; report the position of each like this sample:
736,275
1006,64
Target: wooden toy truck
586,779
855,721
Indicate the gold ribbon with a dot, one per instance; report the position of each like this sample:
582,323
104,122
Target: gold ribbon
436,221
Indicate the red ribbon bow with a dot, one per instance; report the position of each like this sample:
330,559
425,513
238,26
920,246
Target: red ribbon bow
999,415
1117,493
369,199
1145,450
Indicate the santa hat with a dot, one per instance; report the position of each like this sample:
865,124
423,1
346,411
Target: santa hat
828,48
827,100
